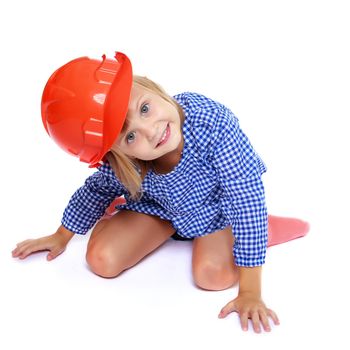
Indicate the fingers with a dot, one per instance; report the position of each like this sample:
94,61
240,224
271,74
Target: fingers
259,317
54,254
256,322
244,320
24,249
227,309
265,322
273,316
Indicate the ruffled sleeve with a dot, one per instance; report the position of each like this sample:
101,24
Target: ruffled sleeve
89,202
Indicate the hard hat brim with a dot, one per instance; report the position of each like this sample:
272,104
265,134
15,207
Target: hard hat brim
116,106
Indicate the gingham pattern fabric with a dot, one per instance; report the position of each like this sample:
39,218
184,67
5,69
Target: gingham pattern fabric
216,184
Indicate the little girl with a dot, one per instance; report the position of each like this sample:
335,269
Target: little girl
185,169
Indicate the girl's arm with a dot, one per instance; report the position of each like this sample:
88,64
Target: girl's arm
55,244
239,170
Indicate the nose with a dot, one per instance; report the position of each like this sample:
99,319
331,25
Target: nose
149,130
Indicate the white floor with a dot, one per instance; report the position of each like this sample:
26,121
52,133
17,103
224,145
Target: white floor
61,304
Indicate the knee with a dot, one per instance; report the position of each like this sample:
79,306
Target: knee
102,261
211,275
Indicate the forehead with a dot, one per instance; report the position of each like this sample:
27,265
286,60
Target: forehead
137,91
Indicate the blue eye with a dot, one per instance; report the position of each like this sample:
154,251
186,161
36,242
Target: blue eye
145,108
130,137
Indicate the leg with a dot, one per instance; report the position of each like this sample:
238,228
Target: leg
212,261
122,241
281,229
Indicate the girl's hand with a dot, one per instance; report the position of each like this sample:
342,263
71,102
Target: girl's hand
248,305
55,243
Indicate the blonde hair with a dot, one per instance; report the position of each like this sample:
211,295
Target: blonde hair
131,172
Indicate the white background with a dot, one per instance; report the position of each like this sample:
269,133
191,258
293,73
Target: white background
283,68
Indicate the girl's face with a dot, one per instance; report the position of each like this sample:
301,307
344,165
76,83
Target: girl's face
154,126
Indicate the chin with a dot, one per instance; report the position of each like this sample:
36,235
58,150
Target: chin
173,146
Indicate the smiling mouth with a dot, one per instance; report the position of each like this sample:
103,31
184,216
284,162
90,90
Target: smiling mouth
165,136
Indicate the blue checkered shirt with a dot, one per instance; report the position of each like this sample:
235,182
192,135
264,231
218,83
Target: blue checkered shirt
216,184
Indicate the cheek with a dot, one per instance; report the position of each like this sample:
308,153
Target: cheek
126,149
136,150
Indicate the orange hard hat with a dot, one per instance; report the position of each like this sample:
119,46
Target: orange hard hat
84,105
